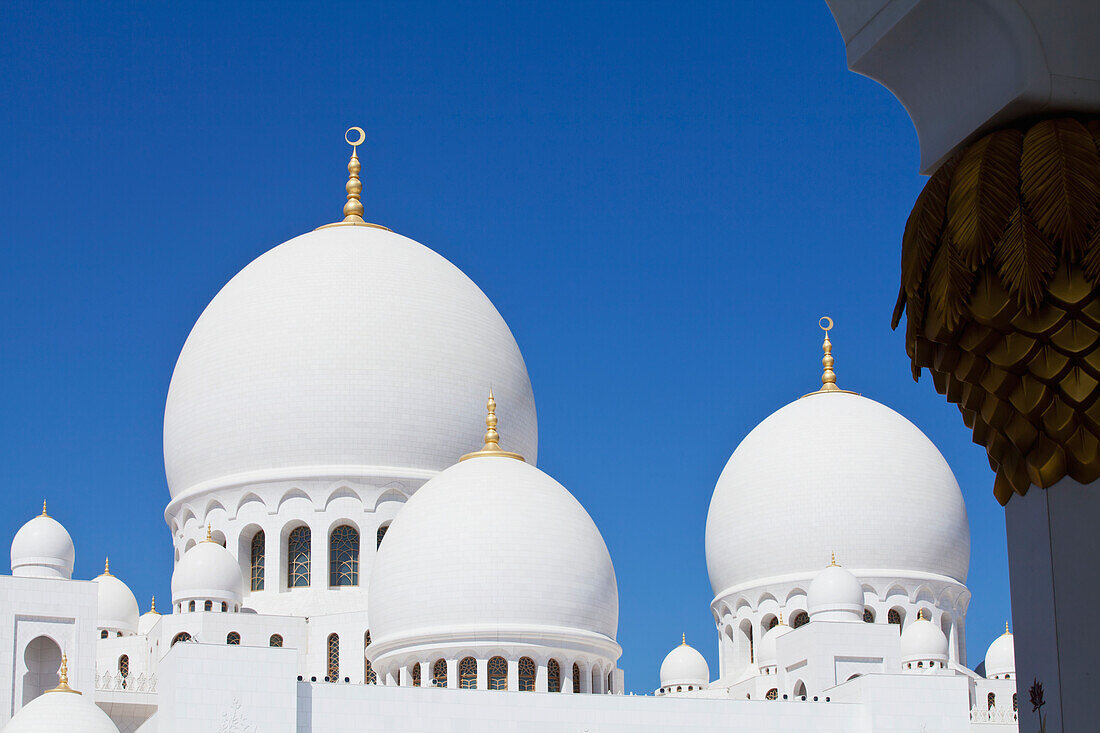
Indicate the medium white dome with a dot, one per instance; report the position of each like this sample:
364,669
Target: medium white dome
488,550
684,666
923,641
207,571
61,711
118,609
835,595
1000,659
42,548
344,349
147,621
766,656
835,472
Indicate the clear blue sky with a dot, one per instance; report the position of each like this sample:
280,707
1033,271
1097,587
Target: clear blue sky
660,199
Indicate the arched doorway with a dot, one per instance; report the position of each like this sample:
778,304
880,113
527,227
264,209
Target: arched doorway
43,658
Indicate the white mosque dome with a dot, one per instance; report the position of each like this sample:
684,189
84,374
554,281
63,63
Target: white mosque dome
684,665
766,656
835,595
343,349
61,711
1000,659
835,472
42,548
118,609
923,641
488,550
208,571
148,620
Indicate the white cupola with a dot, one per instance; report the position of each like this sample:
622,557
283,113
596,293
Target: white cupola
42,548
766,657
207,578
148,619
835,595
923,646
684,670
118,609
1000,659
61,709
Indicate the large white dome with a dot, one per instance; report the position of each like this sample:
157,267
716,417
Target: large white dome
347,347
488,550
835,472
207,571
42,548
61,711
684,666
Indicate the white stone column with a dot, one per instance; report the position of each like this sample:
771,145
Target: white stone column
586,678
274,576
542,678
483,674
318,557
1053,543
513,674
567,676
452,674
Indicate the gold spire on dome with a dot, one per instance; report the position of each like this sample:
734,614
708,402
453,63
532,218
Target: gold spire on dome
781,619
683,639
153,606
106,566
63,677
208,537
833,563
828,376
353,209
492,438
44,508
1006,628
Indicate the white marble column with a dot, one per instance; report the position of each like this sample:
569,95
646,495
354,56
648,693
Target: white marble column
483,674
405,676
567,676
513,674
452,674
542,678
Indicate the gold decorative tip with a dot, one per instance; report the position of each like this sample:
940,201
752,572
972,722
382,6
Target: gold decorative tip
492,438
353,209
832,563
1006,628
44,508
208,537
106,566
683,639
153,606
781,619
828,376
63,677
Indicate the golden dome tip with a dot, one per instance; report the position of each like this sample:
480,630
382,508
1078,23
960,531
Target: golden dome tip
492,437
63,677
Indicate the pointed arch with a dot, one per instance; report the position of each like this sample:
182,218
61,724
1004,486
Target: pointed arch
251,498
343,491
390,494
292,495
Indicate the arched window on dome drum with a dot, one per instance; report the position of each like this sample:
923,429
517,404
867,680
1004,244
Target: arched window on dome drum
771,623
800,619
991,701
103,634
297,555
208,606
191,607
369,677
333,657
380,534
182,636
256,559
233,638
124,669
343,556
553,676
416,675
498,674
576,678
526,674
894,616
439,673
467,673
773,694
868,616
275,641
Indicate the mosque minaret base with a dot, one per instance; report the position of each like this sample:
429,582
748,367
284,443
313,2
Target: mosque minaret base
1053,543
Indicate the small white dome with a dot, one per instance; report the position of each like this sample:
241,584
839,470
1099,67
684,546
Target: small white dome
766,654
42,548
923,641
148,619
684,666
1000,659
835,472
493,549
118,609
835,595
61,711
208,571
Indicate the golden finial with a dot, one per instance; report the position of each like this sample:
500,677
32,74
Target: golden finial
106,565
1006,628
208,537
828,376
353,209
492,438
44,508
683,639
781,619
63,677
153,606
920,614
832,563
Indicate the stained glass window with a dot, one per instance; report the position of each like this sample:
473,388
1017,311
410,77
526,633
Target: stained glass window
498,674
275,640
369,677
439,673
553,676
868,615
526,674
208,606
333,657
576,678
297,553
182,636
233,638
894,616
225,606
343,561
1014,708
381,533
257,560
991,701
124,669
103,634
191,606
773,694
467,673
416,675
800,619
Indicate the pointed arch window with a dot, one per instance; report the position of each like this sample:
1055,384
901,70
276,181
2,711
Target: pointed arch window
369,677
526,674
439,673
103,634
276,640
298,556
498,674
233,638
553,676
333,657
256,559
990,701
416,675
576,678
379,535
773,694
800,619
208,606
343,560
124,669
893,616
868,616
467,673
182,636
